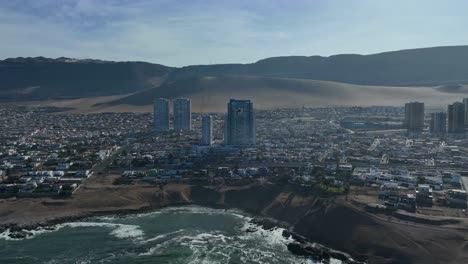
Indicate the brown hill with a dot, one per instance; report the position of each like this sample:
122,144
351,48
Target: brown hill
42,78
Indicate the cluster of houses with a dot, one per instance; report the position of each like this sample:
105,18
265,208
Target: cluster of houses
403,177
45,154
283,136
43,183
402,188
49,153
156,175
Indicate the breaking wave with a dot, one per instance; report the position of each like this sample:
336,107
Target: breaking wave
190,234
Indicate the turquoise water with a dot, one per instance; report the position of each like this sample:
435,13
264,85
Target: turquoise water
172,235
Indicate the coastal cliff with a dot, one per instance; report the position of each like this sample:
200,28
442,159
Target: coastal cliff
331,222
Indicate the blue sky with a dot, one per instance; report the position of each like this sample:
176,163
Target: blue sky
178,33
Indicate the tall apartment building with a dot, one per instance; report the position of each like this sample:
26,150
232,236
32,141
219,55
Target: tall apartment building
161,115
438,123
465,104
456,118
239,125
207,130
182,114
414,116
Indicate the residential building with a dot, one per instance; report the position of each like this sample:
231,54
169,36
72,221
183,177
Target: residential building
456,118
161,115
438,123
240,123
182,114
424,194
414,116
207,130
465,104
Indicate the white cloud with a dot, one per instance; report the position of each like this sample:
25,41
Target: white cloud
203,32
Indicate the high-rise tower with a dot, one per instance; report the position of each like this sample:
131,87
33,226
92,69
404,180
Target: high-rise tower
161,115
414,116
182,114
239,124
456,118
438,124
207,130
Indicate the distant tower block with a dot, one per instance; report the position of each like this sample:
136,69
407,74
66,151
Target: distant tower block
182,114
414,116
438,123
239,126
161,115
456,118
207,130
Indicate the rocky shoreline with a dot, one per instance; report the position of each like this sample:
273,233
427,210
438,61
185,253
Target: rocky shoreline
329,222
301,245
24,231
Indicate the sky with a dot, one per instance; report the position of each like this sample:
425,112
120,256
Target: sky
187,32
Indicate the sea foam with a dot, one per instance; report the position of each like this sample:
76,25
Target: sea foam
121,231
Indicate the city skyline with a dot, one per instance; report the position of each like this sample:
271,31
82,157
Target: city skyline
452,121
104,159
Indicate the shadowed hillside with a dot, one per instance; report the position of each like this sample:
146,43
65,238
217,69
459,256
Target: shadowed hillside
428,66
42,78
287,78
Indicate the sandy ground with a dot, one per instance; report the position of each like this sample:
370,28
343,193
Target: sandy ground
96,195
213,93
90,105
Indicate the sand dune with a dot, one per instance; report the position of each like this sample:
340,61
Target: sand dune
210,94
89,105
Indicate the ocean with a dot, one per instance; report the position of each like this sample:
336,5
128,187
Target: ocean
171,235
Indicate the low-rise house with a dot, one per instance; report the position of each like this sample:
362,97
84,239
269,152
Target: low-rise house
82,174
388,189
456,197
424,194
451,177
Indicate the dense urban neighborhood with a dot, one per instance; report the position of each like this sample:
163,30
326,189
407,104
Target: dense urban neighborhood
401,166
364,152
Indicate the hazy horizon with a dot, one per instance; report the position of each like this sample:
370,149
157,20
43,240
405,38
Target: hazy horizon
248,62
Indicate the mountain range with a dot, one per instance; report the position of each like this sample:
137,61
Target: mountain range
297,79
